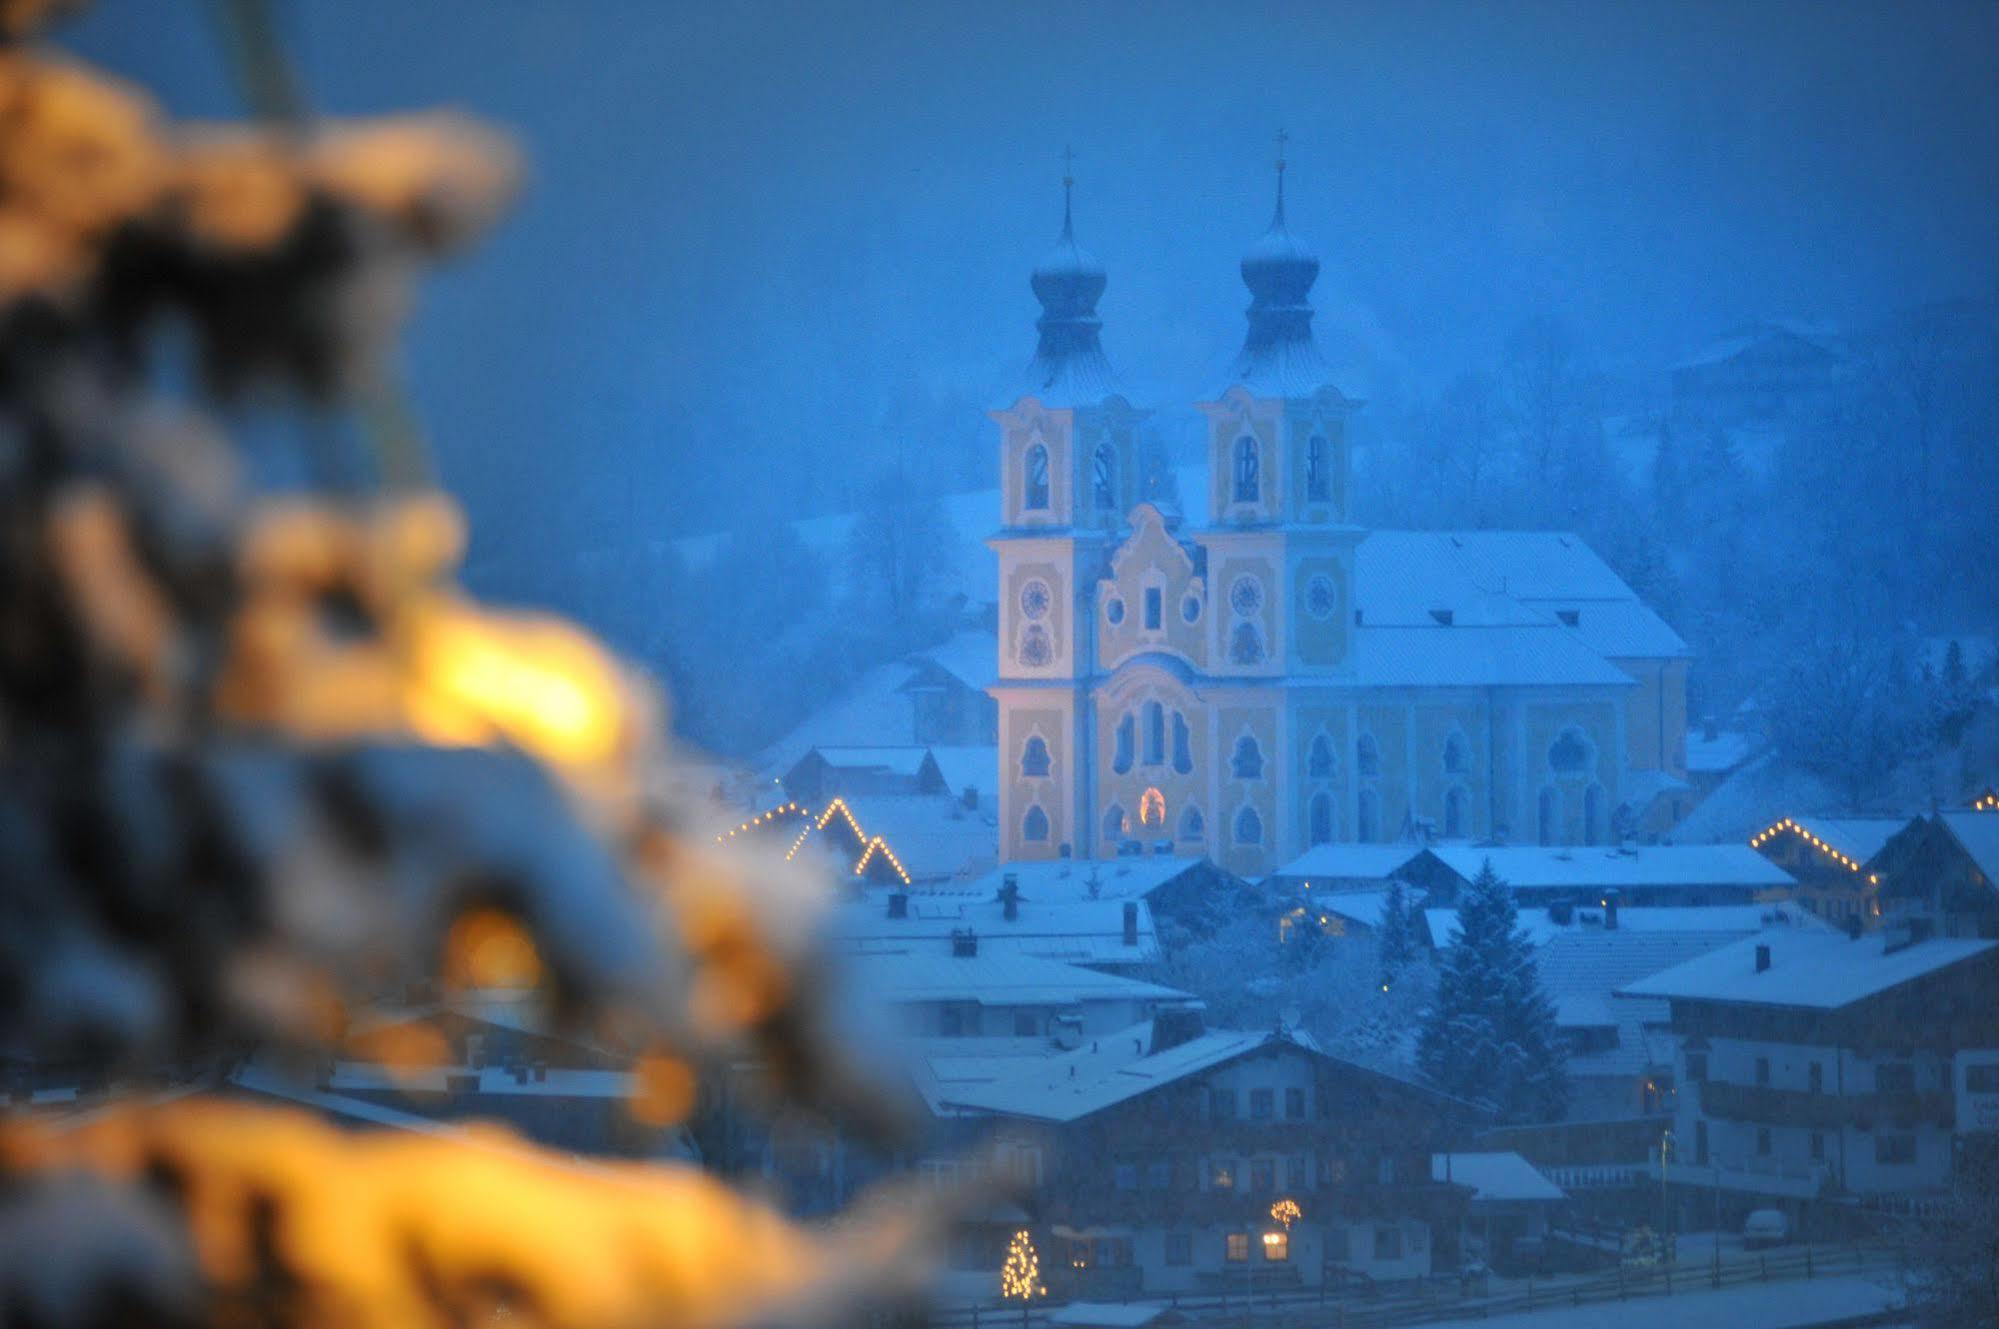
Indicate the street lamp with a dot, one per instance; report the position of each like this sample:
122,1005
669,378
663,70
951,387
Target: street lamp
1665,1208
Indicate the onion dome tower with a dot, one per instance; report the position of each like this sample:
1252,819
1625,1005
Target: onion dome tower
1279,356
1069,367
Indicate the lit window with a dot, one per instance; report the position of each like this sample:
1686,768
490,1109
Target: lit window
1276,1246
1237,1248
1152,808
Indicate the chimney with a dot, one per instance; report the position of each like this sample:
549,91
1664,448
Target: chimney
970,798
898,904
1762,958
1561,913
964,943
1710,728
1131,922
1610,913
1853,927
1010,897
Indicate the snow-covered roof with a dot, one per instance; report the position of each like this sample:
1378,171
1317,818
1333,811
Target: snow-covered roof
874,710
1362,907
1499,1177
1549,867
1112,1069
1053,880
1348,862
1432,655
927,837
1713,920
1978,833
1724,752
970,657
1820,337
555,1081
969,768
1813,970
904,759
1857,838
1073,931
990,979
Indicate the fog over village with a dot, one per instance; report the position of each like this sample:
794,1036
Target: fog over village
1317,665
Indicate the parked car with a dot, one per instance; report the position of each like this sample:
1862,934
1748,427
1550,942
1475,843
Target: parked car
1765,1227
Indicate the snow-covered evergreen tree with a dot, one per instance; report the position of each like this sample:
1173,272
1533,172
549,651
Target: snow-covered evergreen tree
1490,1036
1396,936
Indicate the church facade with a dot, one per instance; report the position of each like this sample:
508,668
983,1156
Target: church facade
1261,675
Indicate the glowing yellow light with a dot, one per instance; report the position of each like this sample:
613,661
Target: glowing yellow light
538,682
1285,1211
1020,1276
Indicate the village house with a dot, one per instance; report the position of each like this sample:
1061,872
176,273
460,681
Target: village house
1832,860
1946,867
1827,1064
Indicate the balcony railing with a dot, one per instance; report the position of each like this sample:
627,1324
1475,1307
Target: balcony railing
1794,1107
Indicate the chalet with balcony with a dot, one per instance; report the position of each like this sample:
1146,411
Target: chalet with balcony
1817,1063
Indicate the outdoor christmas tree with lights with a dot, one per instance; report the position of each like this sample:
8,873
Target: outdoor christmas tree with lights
1020,1276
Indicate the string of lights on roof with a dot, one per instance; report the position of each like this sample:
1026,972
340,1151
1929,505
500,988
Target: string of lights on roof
1986,803
870,845
1777,828
762,819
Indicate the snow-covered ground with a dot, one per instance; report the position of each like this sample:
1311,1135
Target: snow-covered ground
1788,1305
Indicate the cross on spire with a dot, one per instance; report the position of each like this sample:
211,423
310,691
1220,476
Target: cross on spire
1068,184
1282,139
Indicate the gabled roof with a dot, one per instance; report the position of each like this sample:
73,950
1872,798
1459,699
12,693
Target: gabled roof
922,837
1853,839
1498,1177
1073,931
903,759
1349,862
904,977
1114,1069
1052,880
1544,867
970,657
1475,655
1808,970
1978,833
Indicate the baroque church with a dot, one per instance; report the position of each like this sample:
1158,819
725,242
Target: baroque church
1262,675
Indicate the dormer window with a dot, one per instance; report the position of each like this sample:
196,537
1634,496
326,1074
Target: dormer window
1248,471
1034,493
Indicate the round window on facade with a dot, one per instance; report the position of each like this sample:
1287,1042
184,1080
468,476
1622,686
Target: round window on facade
1034,600
1246,595
1322,598
1114,610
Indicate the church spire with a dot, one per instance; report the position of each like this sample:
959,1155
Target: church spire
1279,357
1069,366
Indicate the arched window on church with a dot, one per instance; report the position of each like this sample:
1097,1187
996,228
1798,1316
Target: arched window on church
1183,754
1248,826
1034,493
1192,826
1114,823
1570,753
1596,818
1367,817
1155,734
1367,757
1456,755
1248,471
1247,763
1127,735
1034,758
1318,470
1545,817
1034,826
1322,819
1319,758
1104,475
1456,807
1152,808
